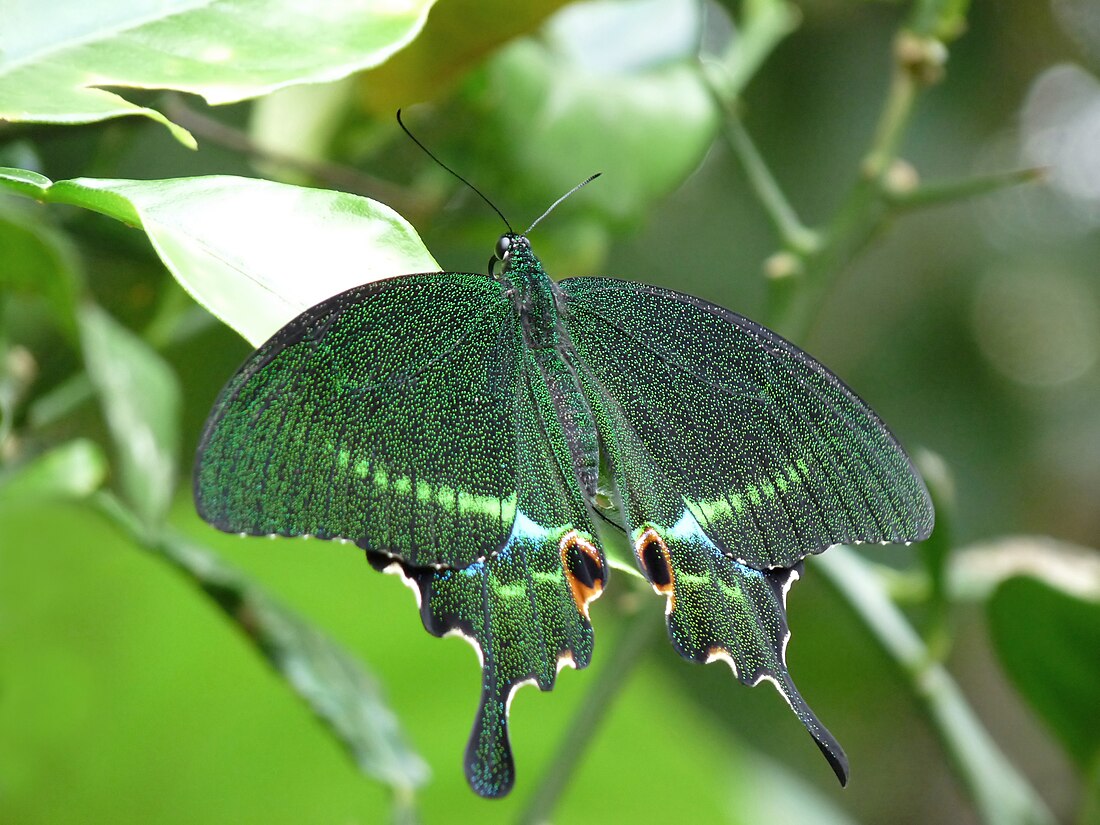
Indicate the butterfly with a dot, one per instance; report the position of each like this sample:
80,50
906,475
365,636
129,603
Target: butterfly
469,432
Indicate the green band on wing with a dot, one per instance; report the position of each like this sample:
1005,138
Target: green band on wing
734,504
441,495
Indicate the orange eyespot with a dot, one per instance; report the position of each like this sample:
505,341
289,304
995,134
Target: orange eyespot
585,569
652,552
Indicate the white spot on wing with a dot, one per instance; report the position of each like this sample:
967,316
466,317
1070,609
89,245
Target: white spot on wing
473,644
767,677
395,569
512,694
791,579
724,656
566,660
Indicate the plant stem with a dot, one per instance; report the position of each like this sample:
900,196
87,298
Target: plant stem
863,210
632,643
794,234
1001,795
931,194
891,124
763,25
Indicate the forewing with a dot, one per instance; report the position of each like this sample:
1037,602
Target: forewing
524,609
385,415
770,452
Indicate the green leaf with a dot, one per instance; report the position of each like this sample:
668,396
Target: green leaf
24,181
584,86
140,398
456,38
75,469
333,682
1048,641
38,259
54,67
1089,810
999,792
254,253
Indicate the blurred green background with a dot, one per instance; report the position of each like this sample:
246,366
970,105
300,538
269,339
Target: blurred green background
970,323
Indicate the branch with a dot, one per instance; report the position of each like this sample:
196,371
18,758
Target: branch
795,235
608,680
1001,795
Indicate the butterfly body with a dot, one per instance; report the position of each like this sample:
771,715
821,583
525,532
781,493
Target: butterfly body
468,431
539,304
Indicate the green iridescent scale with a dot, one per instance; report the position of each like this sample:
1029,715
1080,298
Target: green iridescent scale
466,431
384,415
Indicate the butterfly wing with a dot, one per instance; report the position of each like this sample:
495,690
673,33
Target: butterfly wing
720,609
734,455
524,609
771,453
385,415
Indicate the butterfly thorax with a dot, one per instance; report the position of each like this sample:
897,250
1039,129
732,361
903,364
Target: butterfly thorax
533,294
539,306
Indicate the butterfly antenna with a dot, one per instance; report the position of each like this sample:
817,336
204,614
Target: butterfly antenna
428,152
559,200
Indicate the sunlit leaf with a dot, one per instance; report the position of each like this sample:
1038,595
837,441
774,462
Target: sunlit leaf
334,684
54,67
140,398
638,112
1048,641
254,253
978,569
454,40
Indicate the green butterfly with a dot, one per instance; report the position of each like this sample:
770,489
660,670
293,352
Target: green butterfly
469,432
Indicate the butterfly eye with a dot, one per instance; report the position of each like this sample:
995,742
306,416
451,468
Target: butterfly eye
504,246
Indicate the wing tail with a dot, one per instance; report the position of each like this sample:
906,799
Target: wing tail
525,611
721,610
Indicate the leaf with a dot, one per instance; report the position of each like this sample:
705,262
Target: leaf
457,37
1048,641
254,253
141,402
54,67
999,792
75,469
333,682
38,259
644,97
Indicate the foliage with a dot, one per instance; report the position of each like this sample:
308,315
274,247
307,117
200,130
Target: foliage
972,327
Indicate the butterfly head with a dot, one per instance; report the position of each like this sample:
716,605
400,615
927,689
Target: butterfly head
509,245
